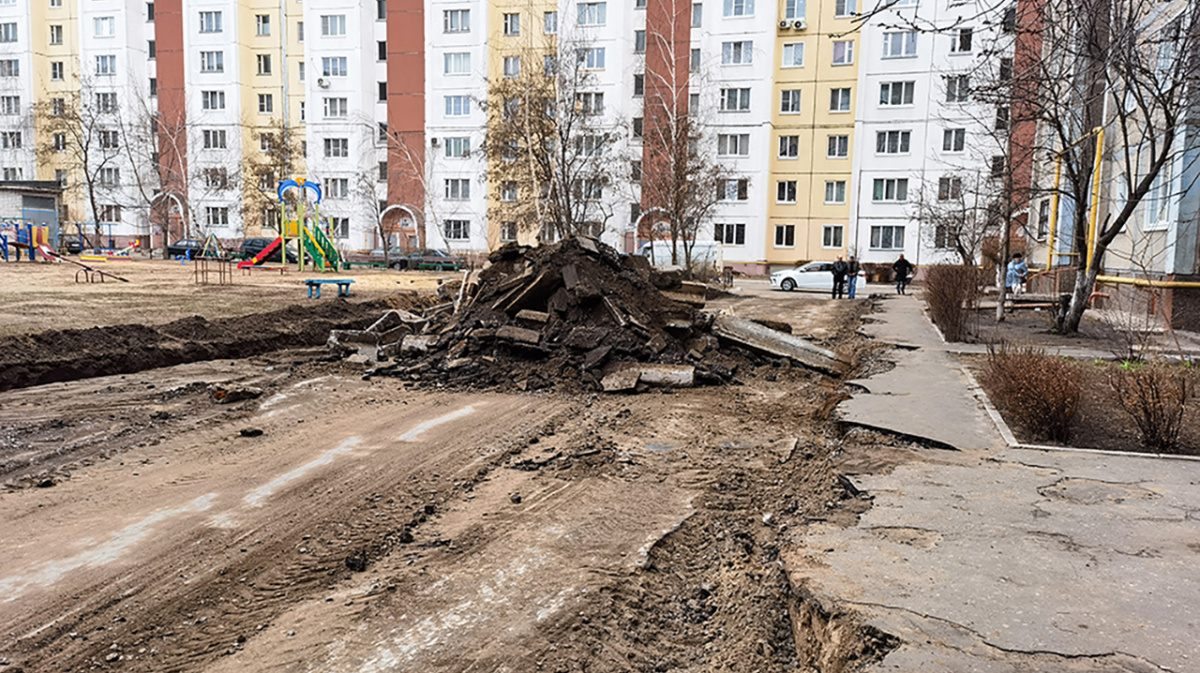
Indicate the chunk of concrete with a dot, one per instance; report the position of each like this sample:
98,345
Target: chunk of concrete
393,319
621,380
518,334
533,316
674,376
756,337
415,343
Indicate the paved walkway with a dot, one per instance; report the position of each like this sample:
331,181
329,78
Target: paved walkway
992,559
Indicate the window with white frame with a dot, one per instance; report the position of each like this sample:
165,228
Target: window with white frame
838,147
59,142
592,13
949,189
892,142
300,70
835,192
457,147
550,23
60,176
456,21
512,24
739,7
210,22
216,178
794,9
512,66
895,94
457,63
216,216
56,71
639,84
785,191
111,140
266,104
954,140
733,144
697,14
212,61
900,45
266,142
333,25
1157,208
336,107
337,147
8,30
843,52
591,58
1043,224
337,188
789,147
11,105
735,100
264,64
212,100
214,139
109,213
589,189
887,237
333,66
339,227
961,41
793,55
844,8
958,88
589,103
458,106
104,26
730,234
639,41
299,31
110,177
789,101
508,232
456,230
590,145
893,190
10,140
106,64
508,191
737,53
106,102
262,25
458,189
733,189
785,236
831,236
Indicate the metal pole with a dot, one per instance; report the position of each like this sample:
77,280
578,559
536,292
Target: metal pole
1054,211
1099,131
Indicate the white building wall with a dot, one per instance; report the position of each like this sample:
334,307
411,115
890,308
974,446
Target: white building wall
18,163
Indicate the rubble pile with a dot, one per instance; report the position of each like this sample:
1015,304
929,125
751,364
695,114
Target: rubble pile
573,313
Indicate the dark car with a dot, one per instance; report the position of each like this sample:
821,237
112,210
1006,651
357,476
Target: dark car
426,259
183,247
253,246
73,245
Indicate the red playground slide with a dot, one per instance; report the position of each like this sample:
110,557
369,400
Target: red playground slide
262,256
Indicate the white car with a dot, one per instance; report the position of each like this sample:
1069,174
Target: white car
811,276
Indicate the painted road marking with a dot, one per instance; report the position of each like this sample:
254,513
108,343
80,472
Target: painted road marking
422,428
256,497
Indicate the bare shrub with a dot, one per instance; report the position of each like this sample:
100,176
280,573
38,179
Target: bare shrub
1154,396
950,293
1035,391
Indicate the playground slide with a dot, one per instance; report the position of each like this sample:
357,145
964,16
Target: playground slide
321,250
262,256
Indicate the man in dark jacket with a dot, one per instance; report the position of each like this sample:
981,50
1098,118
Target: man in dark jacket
902,267
853,269
840,269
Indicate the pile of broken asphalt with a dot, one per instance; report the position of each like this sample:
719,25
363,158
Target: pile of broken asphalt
572,315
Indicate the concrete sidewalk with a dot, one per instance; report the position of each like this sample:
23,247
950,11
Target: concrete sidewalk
993,559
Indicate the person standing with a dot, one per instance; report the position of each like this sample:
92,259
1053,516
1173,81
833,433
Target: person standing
902,267
852,269
839,277
1016,274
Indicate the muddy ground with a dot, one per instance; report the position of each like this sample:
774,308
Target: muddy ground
340,524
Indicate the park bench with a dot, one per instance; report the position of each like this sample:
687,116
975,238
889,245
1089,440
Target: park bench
346,266
314,286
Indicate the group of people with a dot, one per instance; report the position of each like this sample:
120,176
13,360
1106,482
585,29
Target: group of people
845,276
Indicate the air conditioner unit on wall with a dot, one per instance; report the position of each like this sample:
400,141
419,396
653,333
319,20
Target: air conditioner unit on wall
785,24
433,142
800,24
322,82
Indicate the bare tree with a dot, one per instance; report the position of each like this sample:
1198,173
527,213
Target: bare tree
954,212
280,150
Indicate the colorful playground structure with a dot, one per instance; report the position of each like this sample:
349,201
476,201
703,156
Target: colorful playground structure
300,221
121,255
23,235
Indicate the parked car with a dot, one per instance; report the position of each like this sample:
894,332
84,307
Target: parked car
183,247
424,259
73,245
253,246
811,276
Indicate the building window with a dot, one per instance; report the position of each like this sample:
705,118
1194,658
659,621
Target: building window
900,45
892,142
300,71
458,189
835,192
458,148
735,100
949,189
961,41
339,227
794,9
59,142
338,188
508,232
457,63
789,147
149,10
589,189
839,100
958,88
60,176
733,144
789,101
730,234
266,143
106,102
57,106
336,108
216,216
214,139
151,50
153,86
998,166
456,230
839,147
890,189
212,61
210,22
887,238
56,71
639,4
262,24
739,7
639,84
10,140
733,190
109,213
381,131
639,41
1005,70
892,94
508,191
737,53
592,58
785,191
697,14
334,66
216,178
299,31
793,55
382,87
106,64
56,33
844,8
264,64
337,147
592,13
512,24
11,105
458,106
1001,118
333,25
635,171
104,26
694,60
589,103
843,52
383,171
785,236
381,10
831,236
954,140
456,21
550,23
266,103
212,100
302,112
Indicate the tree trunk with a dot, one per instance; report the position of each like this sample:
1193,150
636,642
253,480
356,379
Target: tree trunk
1085,280
1002,276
